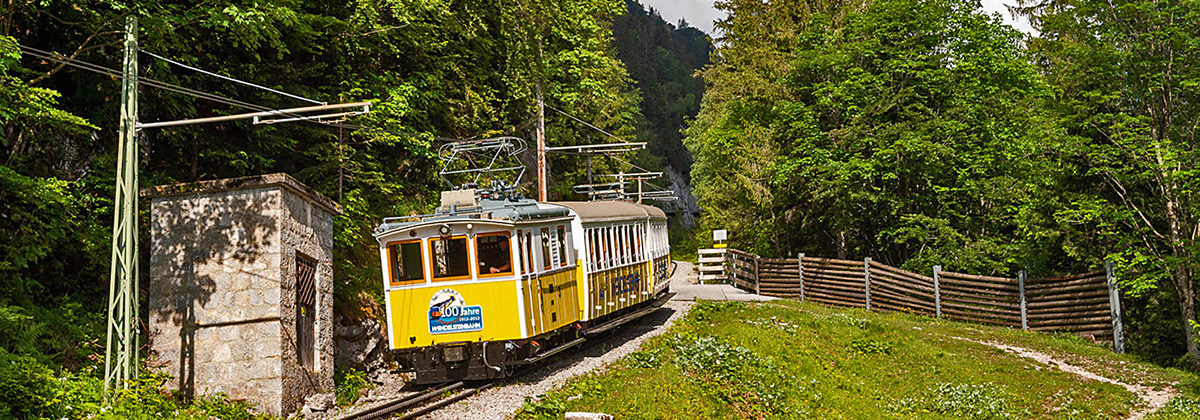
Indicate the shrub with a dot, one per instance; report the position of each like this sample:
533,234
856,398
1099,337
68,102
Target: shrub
870,346
349,385
645,358
28,389
541,408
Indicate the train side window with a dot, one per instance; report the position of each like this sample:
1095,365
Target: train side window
561,236
449,258
589,243
546,254
529,252
494,254
609,248
624,244
406,263
641,237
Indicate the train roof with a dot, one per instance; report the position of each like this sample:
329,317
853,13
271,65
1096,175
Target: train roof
608,211
514,210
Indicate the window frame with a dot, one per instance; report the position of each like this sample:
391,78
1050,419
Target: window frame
391,267
560,234
470,259
512,269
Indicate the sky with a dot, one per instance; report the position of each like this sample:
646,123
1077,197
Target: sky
701,13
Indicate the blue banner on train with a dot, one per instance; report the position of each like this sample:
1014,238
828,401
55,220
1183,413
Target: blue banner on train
448,313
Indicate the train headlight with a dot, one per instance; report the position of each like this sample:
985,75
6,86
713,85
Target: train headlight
444,230
454,353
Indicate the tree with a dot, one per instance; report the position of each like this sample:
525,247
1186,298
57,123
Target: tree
1126,72
909,131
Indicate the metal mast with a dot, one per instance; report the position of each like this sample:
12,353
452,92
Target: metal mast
120,357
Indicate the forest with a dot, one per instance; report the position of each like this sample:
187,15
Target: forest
915,132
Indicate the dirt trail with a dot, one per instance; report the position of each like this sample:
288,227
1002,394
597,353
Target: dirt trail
1152,399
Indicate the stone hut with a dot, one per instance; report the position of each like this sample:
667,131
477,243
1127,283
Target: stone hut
241,289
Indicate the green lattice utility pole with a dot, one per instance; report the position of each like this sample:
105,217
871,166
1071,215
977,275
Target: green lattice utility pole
120,357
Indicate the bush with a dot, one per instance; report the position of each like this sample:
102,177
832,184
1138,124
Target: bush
541,408
28,389
870,346
349,385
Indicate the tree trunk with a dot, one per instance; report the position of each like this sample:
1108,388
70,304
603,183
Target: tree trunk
1187,308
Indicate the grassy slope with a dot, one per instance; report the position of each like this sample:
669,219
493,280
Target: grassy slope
788,359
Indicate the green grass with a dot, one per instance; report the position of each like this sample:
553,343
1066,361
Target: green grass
787,359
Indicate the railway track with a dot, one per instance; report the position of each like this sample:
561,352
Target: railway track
426,401
418,404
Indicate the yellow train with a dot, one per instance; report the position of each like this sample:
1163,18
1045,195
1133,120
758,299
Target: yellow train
486,285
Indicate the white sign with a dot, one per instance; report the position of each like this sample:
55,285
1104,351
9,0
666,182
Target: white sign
720,235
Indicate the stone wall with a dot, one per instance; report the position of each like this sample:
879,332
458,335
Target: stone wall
307,230
222,288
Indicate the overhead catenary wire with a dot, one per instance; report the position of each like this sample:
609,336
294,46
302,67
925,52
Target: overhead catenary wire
142,80
584,122
223,77
95,68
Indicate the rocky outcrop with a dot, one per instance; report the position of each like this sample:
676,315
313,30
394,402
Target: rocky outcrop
359,344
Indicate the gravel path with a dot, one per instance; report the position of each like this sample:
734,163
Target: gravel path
1152,399
502,402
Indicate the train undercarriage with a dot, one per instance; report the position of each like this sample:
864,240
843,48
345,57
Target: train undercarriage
487,360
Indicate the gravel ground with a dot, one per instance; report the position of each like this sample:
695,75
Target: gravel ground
1152,398
502,402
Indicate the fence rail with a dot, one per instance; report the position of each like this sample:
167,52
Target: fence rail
1086,304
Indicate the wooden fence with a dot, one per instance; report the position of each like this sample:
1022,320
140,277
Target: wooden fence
1085,304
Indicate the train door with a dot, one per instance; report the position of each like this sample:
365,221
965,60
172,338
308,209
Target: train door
533,296
546,282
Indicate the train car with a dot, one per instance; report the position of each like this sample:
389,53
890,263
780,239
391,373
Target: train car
485,285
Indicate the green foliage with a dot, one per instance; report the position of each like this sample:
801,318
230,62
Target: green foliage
539,408
645,358
1179,408
908,131
966,401
349,385
27,388
734,365
1126,71
871,346
705,310
662,59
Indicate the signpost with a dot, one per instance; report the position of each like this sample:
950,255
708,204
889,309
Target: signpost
719,238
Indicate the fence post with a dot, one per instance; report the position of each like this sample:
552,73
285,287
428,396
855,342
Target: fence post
937,291
756,275
800,272
1114,304
867,278
1021,288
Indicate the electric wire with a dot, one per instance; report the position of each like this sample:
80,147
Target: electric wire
95,68
84,65
230,78
584,123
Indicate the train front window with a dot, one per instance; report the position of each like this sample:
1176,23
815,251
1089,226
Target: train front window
406,263
493,254
450,258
